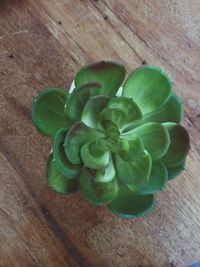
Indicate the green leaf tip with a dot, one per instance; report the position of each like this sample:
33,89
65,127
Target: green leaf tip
117,150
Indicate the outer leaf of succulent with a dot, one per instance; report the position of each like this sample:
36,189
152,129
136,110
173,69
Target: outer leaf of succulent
47,111
109,74
117,150
57,181
98,193
149,86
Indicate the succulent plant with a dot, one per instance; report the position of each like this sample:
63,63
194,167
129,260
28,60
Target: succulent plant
116,150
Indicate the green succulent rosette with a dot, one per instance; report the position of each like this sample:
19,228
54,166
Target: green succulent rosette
116,150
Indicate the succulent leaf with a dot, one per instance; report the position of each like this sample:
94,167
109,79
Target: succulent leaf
131,149
106,174
156,183
149,87
154,136
122,111
109,74
98,193
134,172
179,144
171,111
176,170
90,160
76,137
48,111
57,181
78,99
91,110
65,167
129,204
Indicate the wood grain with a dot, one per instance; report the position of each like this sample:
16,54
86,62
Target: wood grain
42,44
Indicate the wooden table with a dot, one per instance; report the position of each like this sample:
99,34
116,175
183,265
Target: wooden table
42,44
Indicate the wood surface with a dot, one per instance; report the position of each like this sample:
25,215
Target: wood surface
42,44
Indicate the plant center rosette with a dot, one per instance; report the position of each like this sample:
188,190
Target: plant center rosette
115,150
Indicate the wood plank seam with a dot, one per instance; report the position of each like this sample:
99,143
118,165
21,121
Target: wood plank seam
119,33
50,220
